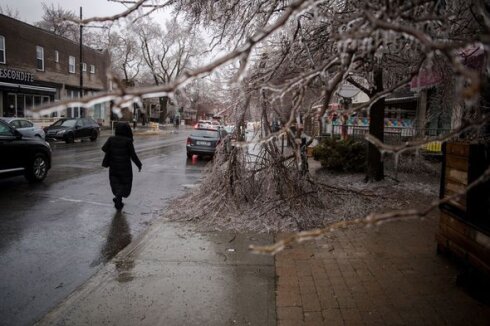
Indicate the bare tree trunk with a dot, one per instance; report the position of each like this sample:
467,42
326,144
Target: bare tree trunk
163,109
265,128
375,166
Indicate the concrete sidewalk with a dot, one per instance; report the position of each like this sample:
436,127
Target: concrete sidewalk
386,275
175,276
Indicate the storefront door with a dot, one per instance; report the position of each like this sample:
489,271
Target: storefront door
10,109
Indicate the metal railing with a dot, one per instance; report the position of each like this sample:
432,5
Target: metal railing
392,135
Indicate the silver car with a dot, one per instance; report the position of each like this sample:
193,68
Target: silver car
25,127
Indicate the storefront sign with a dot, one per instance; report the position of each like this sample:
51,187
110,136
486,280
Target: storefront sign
16,75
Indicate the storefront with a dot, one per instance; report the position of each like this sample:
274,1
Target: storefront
20,93
39,68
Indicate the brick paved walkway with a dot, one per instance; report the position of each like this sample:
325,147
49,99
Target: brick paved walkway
386,275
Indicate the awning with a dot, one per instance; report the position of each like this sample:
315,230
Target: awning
401,99
426,78
29,87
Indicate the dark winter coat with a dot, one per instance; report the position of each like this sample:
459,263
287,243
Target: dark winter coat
120,152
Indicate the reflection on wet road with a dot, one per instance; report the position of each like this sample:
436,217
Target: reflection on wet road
55,235
118,237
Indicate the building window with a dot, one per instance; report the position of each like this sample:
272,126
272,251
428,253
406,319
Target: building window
98,111
40,57
56,56
73,112
92,69
71,64
2,49
84,66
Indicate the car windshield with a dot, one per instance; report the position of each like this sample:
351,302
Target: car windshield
65,123
205,133
5,130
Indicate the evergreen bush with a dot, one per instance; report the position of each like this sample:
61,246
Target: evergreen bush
341,155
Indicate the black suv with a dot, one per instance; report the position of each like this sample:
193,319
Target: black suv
204,141
23,155
70,129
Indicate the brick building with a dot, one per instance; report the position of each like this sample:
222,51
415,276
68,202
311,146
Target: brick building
39,67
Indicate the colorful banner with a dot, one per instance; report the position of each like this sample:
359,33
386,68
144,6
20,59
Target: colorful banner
364,122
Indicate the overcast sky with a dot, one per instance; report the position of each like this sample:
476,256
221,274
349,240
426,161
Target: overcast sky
30,11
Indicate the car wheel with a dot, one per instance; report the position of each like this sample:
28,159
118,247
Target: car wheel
38,169
70,138
189,156
94,136
39,136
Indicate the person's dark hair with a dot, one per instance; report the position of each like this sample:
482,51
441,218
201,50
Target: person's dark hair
123,129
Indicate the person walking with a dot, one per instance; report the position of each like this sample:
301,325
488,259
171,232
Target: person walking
119,152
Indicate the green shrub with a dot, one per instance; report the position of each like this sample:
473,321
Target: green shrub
341,155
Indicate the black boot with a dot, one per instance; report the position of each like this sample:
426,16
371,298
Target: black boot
118,204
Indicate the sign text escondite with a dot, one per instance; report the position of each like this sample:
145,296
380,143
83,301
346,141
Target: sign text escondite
17,75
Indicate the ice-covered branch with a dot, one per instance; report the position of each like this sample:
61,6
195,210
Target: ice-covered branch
371,219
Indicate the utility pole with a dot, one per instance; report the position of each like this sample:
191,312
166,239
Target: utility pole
81,54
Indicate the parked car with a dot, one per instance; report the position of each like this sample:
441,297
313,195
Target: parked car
70,129
25,127
204,141
29,156
203,124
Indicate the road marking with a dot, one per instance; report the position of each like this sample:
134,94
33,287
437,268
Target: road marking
11,170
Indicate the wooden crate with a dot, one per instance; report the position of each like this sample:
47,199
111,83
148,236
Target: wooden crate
464,163
464,240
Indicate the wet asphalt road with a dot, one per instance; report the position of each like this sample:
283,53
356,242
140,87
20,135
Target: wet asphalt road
55,235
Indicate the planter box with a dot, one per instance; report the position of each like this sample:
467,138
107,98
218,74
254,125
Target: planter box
464,226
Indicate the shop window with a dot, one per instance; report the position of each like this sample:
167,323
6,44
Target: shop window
29,102
37,101
56,56
84,66
71,64
98,111
40,58
2,49
92,69
21,112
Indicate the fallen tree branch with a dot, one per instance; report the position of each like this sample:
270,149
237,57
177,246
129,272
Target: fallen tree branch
371,219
